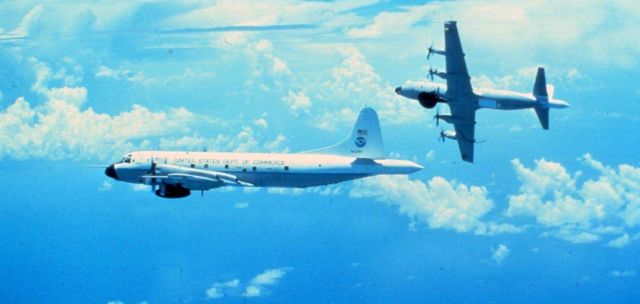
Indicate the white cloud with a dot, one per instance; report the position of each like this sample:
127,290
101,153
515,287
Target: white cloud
389,23
29,21
247,140
269,277
297,102
622,273
76,96
499,254
60,129
214,293
107,72
354,84
252,291
532,29
261,122
573,234
256,287
430,156
274,65
582,212
522,79
438,203
218,289
492,228
241,205
620,242
244,12
106,186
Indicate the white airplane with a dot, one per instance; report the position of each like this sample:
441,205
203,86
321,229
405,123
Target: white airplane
176,174
463,100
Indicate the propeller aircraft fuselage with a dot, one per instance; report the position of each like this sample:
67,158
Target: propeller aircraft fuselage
176,173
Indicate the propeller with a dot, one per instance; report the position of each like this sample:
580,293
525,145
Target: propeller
437,117
152,172
441,135
429,51
431,72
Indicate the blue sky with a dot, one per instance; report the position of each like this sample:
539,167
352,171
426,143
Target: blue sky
542,216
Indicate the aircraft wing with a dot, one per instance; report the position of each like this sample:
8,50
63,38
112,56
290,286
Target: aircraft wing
458,80
462,102
465,126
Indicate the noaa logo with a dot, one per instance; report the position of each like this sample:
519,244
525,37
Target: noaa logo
360,142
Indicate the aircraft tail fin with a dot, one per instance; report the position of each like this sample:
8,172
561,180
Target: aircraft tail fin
550,90
540,86
365,140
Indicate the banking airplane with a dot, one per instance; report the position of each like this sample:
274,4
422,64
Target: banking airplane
176,174
463,100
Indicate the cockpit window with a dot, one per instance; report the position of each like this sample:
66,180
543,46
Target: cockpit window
126,159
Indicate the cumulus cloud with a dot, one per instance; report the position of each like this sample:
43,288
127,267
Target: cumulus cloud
63,127
242,205
60,125
622,273
106,186
438,203
297,102
247,140
256,287
60,129
243,12
579,212
274,65
217,289
620,242
499,254
354,84
389,23
261,122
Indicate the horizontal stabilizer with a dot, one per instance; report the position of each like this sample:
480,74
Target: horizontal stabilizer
543,116
540,86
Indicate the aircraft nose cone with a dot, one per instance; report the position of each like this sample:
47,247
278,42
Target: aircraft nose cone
398,89
111,172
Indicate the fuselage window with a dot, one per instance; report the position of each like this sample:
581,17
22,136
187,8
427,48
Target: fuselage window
193,165
254,168
244,169
226,166
206,166
286,168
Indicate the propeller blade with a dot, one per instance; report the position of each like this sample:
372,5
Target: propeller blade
96,166
152,172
